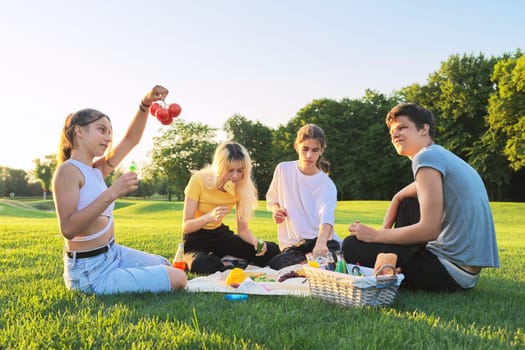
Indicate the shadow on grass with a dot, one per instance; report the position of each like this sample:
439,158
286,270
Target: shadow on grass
484,317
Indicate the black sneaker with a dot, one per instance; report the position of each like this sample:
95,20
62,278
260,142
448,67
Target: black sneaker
230,264
287,258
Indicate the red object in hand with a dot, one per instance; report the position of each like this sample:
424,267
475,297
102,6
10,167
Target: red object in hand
174,110
167,121
162,115
154,107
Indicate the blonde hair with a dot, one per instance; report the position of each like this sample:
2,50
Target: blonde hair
226,154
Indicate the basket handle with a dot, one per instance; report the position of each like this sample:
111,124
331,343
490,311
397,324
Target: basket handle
386,266
386,281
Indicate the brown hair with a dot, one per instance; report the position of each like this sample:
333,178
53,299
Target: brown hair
80,118
416,114
314,132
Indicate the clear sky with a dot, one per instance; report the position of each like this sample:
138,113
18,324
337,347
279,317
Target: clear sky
262,59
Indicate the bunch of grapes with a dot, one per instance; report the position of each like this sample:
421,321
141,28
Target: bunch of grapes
165,113
291,274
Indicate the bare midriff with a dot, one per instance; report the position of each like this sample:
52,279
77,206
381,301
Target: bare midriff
98,242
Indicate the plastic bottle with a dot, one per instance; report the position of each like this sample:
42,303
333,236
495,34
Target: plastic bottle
236,297
178,261
330,261
341,263
260,245
356,271
311,261
321,260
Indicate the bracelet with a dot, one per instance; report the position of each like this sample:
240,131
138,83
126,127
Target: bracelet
145,105
141,108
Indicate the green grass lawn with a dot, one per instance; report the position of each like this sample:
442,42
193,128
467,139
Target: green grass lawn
36,310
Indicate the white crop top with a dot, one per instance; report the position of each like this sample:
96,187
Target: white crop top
93,186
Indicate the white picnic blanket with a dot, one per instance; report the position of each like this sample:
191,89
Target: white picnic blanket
217,282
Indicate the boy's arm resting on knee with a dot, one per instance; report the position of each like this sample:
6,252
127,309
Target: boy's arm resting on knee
409,191
431,203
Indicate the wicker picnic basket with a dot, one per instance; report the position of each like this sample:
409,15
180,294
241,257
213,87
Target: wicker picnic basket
349,290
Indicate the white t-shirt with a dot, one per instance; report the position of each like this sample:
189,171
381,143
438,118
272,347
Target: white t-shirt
310,201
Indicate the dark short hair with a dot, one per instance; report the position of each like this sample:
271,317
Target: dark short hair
417,114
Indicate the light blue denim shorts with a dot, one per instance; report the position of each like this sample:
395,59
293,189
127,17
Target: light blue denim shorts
119,270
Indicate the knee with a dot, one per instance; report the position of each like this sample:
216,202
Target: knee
203,263
407,212
272,249
178,278
348,242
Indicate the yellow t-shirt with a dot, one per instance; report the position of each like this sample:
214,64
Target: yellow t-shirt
207,198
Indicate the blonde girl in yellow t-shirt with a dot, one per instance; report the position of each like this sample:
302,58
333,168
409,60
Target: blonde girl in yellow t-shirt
210,195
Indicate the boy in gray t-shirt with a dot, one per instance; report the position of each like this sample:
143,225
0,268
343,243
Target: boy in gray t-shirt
444,232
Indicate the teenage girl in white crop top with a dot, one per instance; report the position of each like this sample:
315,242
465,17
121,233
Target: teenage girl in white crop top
93,262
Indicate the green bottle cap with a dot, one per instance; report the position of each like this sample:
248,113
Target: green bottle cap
133,166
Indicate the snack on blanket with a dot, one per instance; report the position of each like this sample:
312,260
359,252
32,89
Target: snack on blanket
235,277
292,274
383,259
263,278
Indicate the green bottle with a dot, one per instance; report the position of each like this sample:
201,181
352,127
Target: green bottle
341,263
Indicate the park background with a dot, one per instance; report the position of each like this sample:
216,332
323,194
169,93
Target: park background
254,71
478,103
37,311
267,67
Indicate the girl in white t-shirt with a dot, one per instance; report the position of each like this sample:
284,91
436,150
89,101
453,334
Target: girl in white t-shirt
302,199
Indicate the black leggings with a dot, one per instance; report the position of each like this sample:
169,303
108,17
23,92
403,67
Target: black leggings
421,268
204,249
296,254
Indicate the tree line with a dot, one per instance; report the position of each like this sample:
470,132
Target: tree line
478,103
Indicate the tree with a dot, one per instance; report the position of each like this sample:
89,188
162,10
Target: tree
145,189
457,95
44,170
364,165
114,175
16,181
183,147
256,138
506,111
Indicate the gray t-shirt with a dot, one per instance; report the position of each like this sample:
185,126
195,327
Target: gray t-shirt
467,236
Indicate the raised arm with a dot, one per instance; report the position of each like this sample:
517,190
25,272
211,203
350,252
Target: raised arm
134,132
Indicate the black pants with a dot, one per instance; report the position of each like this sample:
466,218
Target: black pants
297,254
421,268
204,249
